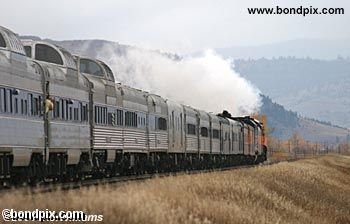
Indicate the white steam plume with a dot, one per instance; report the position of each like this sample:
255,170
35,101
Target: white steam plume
205,82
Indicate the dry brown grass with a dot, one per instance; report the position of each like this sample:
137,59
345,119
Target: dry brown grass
305,191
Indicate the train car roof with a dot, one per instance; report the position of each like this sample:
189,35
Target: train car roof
203,115
10,41
49,53
247,120
94,67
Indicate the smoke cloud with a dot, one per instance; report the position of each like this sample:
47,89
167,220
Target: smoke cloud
205,82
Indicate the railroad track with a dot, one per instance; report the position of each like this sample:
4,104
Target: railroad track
49,187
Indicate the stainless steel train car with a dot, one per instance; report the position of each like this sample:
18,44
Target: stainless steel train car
64,117
22,135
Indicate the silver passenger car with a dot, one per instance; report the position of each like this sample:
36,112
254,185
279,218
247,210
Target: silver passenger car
176,127
135,106
204,130
215,134
22,141
107,115
224,136
67,124
192,130
157,123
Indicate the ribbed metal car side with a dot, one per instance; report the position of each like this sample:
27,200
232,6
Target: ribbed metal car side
158,123
21,123
176,128
192,130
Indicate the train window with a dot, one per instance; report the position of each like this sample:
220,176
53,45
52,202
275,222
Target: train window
86,115
162,124
63,105
204,132
22,107
2,41
70,113
1,100
16,106
191,129
4,100
101,115
35,106
120,117
56,112
15,43
216,133
25,107
83,112
104,115
76,114
90,67
48,54
130,119
127,119
109,71
8,102
69,59
28,50
96,115
67,110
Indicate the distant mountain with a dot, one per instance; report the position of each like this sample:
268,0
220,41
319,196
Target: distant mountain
313,48
314,88
283,123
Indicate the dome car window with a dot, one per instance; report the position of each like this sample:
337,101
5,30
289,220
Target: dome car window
2,41
90,67
28,50
47,54
109,72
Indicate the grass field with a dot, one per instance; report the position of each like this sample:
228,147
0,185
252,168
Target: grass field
305,191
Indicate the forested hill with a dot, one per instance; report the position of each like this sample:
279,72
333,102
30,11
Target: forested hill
283,123
280,121
313,88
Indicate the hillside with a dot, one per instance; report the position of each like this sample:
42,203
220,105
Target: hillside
284,123
314,88
310,191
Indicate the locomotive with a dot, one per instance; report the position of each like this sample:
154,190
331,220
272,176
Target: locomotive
63,117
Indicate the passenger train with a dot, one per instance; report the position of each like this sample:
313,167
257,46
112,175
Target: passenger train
63,117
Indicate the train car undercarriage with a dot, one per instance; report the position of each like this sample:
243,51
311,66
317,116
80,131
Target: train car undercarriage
127,163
